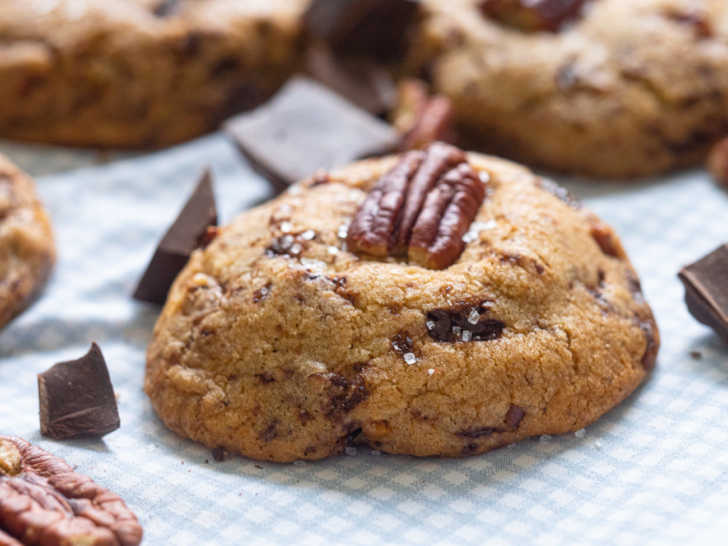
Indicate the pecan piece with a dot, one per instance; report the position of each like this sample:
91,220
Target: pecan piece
43,501
532,15
422,118
718,162
421,208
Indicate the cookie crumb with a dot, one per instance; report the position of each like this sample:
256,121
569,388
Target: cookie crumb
580,433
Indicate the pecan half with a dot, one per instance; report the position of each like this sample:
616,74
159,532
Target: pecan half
422,118
43,501
532,15
420,208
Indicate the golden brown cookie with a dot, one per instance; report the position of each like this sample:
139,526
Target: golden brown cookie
297,332
131,73
27,252
607,88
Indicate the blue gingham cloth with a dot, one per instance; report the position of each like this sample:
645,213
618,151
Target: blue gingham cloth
652,471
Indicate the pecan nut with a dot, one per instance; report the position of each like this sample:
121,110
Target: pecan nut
420,208
532,15
43,501
422,118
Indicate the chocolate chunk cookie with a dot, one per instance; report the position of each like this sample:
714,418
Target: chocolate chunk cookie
433,303
26,243
600,87
132,73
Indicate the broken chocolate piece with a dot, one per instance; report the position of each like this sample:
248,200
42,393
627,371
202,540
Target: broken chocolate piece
365,83
363,27
77,398
44,501
532,15
188,232
304,128
706,290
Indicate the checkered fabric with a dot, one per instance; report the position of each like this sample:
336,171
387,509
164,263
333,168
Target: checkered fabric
653,471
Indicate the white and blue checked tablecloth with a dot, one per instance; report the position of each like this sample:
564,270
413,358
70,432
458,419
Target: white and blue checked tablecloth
652,471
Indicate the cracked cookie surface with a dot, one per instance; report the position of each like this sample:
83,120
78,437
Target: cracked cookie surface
279,343
135,73
624,89
27,252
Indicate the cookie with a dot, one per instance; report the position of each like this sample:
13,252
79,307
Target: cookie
27,252
427,304
133,73
605,88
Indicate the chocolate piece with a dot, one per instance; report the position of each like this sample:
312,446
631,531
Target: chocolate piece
43,501
363,82
77,398
307,127
363,27
188,232
463,323
422,207
532,15
706,290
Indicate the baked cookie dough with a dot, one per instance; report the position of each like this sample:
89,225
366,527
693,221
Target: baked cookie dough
279,343
621,89
27,252
133,73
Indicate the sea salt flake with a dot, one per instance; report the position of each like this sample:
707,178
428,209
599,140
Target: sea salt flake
308,235
296,249
580,433
467,335
430,324
431,371
456,330
484,177
286,241
474,316
409,358
332,250
286,227
343,231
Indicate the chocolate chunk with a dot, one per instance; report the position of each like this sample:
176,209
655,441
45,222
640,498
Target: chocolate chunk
365,83
376,28
533,15
304,128
514,415
188,232
77,398
463,323
706,290
219,454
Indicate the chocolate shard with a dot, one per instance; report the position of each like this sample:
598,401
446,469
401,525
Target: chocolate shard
706,290
364,82
376,28
77,398
188,232
306,127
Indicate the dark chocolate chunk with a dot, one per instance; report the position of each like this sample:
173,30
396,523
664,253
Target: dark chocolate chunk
304,128
165,8
706,290
77,398
363,27
219,454
364,82
463,323
188,232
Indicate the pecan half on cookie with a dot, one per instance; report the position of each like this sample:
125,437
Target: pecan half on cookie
43,501
422,208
